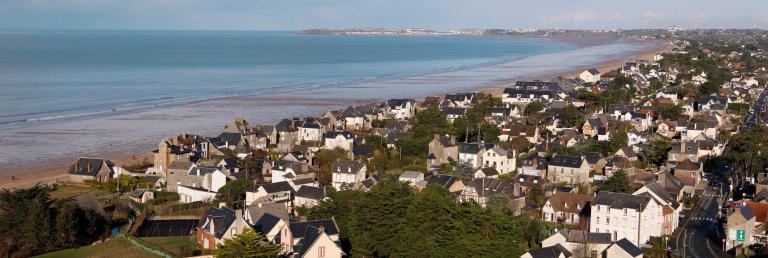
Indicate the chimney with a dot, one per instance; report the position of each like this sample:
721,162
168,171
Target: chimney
516,189
239,213
302,218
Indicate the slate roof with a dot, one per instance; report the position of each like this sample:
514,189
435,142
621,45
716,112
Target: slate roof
629,247
685,148
592,157
443,180
593,71
566,161
492,186
550,252
221,218
687,164
298,228
456,111
471,148
660,191
490,171
283,186
82,165
275,209
346,166
398,103
581,236
333,134
266,222
747,212
180,165
392,137
310,192
285,125
621,200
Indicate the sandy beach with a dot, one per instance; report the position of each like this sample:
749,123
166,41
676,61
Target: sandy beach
161,123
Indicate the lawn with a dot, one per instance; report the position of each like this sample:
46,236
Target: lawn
113,248
70,191
177,246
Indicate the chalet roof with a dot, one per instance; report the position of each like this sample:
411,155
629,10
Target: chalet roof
621,200
566,161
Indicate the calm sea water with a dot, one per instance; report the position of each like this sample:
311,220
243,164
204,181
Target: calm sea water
63,75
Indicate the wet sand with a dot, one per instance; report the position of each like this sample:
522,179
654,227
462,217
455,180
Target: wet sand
125,136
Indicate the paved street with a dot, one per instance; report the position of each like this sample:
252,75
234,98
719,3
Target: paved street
698,234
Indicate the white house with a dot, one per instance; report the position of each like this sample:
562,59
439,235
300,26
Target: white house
578,241
634,217
500,159
189,194
528,91
347,174
411,177
590,76
339,139
623,249
401,108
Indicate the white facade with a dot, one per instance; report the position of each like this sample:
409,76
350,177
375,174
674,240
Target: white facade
500,159
636,225
310,134
189,194
339,142
339,178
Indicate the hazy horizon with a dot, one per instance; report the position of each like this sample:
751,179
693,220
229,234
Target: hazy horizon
293,15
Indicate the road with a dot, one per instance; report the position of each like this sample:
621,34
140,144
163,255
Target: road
759,107
698,234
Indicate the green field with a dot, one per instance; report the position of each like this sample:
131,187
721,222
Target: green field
69,191
176,246
113,248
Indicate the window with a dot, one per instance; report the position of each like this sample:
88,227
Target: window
234,231
321,251
608,220
597,220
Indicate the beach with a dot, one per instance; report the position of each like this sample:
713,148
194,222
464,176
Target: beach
129,137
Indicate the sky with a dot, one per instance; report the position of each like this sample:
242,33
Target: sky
430,14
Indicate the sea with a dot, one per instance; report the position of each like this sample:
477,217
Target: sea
65,94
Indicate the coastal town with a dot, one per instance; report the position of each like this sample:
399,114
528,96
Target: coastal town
660,157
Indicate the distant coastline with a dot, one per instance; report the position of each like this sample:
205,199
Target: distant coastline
147,127
458,32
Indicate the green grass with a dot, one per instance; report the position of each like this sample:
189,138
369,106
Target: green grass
70,191
112,248
177,246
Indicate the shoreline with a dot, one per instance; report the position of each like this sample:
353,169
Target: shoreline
52,170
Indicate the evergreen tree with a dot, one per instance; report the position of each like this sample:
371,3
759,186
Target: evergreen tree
249,244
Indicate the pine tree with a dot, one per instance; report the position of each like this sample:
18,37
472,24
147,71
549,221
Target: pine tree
249,244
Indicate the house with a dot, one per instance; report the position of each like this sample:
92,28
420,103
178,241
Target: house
579,242
317,238
452,113
525,92
188,194
411,177
209,178
740,227
310,130
462,100
267,218
627,152
666,128
347,174
603,134
308,196
623,249
592,125
556,251
568,169
595,161
471,153
616,163
634,217
566,208
451,183
532,165
713,102
286,170
480,190
591,75
671,208
502,160
443,149
287,135
85,169
400,108
219,224
141,195
280,192
689,172
528,132
488,172
683,150
339,139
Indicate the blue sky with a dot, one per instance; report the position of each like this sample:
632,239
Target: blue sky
434,14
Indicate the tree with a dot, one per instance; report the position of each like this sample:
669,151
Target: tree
247,244
656,152
324,159
571,116
710,87
671,112
233,191
619,183
428,122
534,107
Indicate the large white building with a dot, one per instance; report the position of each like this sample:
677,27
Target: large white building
339,139
634,217
347,174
